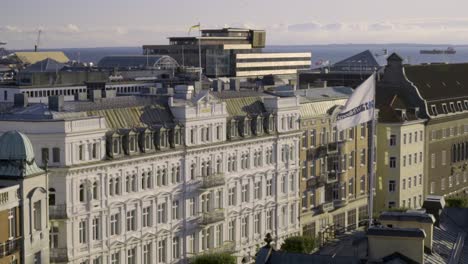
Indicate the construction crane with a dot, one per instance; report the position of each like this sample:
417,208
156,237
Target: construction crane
38,40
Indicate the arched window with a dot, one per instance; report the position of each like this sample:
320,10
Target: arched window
143,181
82,193
95,190
128,184
149,180
111,186
117,186
51,196
134,183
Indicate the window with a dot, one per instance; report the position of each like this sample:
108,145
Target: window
175,247
81,152
404,161
131,256
393,140
94,152
404,138
131,226
434,110
82,231
444,157
191,243
420,136
432,188
53,236
269,219
115,258
363,130
244,226
232,196
257,190
191,206
410,159
37,216
232,230
161,251
146,216
257,223
391,186
12,223
114,224
444,108
245,193
392,162
55,155
363,156
51,196
410,138
95,190
162,213
433,159
147,253
45,155
313,138
96,228
404,184
175,210
409,182
269,187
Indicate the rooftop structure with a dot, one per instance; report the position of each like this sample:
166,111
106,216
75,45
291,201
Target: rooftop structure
30,57
231,52
138,62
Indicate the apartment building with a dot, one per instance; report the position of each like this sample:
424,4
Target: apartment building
23,202
400,159
436,90
160,179
334,164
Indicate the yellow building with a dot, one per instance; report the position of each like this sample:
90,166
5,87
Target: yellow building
400,159
334,164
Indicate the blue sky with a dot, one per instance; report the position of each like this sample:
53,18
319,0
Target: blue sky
98,23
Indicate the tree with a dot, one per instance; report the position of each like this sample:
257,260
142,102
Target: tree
457,202
213,258
299,244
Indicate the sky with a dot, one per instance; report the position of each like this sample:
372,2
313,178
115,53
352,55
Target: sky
119,23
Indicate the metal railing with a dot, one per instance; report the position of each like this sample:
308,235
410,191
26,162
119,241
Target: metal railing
59,254
326,207
10,247
211,217
212,181
58,211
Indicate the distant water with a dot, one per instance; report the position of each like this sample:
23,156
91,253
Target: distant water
333,53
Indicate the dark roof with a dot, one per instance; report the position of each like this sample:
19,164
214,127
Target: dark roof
396,232
282,257
47,65
407,216
361,62
439,81
388,110
397,257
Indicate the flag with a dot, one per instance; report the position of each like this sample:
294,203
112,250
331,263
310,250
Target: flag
360,106
193,27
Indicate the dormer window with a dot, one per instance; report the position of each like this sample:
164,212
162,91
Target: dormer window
460,106
270,123
466,104
434,110
116,146
259,125
444,108
233,132
132,143
452,107
176,136
162,138
291,122
247,128
148,144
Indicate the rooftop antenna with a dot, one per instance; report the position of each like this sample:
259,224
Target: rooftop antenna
36,47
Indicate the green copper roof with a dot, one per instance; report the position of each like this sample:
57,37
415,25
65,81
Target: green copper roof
243,106
17,155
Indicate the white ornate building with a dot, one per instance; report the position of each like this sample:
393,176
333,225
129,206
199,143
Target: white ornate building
157,180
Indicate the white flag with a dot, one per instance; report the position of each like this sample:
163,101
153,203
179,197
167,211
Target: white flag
360,106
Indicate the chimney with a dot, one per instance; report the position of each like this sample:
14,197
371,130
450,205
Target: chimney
56,103
434,205
81,96
109,93
234,84
183,92
21,100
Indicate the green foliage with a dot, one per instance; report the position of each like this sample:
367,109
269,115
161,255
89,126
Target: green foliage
213,258
456,202
299,244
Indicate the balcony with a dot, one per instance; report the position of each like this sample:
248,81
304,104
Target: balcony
212,181
334,147
332,176
226,247
211,217
58,211
59,255
340,203
10,247
326,207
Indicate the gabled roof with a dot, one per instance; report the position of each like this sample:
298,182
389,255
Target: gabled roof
47,65
29,57
364,61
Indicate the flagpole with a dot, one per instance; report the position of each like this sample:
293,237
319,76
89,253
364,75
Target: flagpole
372,167
199,53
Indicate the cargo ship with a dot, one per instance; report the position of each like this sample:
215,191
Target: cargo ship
449,50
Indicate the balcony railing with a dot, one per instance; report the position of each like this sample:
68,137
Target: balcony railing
226,247
340,203
212,181
326,207
59,254
58,211
211,217
10,247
